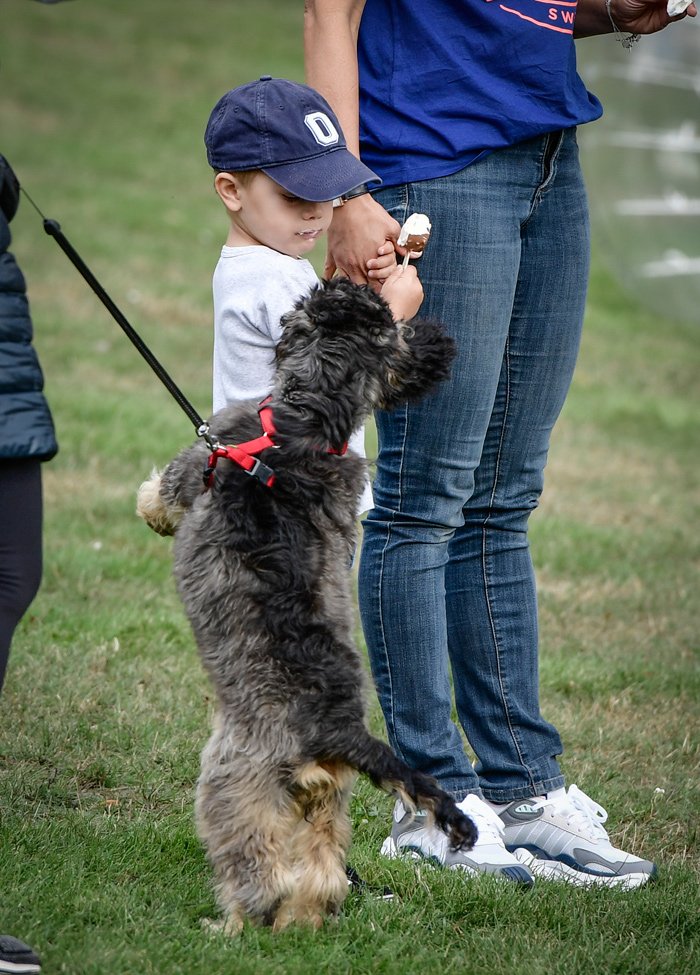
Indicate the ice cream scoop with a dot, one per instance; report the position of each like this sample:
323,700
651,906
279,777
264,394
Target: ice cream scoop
416,231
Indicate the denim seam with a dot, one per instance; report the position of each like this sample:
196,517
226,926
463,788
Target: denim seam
405,199
496,645
401,204
390,720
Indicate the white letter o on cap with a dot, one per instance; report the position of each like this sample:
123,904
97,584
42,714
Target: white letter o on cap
322,129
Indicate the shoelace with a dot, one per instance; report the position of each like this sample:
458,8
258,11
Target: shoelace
583,812
487,821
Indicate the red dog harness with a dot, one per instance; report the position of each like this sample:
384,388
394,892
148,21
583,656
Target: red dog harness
243,454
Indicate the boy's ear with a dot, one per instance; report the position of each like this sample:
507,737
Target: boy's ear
228,188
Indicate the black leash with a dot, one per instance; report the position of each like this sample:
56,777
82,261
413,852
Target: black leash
53,229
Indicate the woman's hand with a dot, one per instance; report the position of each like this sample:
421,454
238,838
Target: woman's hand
358,232
630,16
644,16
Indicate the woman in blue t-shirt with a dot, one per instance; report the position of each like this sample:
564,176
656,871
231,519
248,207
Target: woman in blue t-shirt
468,110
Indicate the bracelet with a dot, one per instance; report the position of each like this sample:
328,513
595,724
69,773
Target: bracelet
627,40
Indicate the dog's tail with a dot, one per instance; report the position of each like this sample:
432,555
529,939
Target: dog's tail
376,759
152,507
166,496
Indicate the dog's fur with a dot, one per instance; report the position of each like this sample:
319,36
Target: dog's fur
263,573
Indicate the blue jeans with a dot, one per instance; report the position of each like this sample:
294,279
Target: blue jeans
446,579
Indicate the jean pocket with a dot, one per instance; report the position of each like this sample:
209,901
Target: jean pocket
394,199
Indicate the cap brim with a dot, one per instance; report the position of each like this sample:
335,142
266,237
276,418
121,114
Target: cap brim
324,177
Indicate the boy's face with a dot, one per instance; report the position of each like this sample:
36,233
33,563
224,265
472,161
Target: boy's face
264,213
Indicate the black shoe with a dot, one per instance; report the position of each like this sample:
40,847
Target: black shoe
16,958
360,886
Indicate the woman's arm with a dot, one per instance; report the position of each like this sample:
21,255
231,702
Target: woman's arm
330,50
361,226
631,16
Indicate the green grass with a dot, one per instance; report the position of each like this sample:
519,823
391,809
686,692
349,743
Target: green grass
105,708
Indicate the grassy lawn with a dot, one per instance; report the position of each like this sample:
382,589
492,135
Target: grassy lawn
105,709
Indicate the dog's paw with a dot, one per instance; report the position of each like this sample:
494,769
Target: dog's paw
450,819
210,926
227,928
462,831
162,518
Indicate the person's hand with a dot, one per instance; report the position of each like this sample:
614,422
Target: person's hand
644,16
358,231
403,292
382,266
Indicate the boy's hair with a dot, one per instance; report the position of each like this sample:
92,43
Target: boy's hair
245,176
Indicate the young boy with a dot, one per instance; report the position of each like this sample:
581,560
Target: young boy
282,165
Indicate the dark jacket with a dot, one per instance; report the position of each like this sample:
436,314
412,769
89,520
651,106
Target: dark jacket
26,427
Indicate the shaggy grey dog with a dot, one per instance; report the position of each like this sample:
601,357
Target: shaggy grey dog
262,566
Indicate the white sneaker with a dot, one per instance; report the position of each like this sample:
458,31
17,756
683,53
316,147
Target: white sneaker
561,837
17,958
413,836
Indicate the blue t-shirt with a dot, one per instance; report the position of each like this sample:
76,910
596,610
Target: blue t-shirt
442,82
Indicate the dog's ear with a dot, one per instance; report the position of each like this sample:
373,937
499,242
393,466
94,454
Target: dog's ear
332,355
423,361
342,305
335,307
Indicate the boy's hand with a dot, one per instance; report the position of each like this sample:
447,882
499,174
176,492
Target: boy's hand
403,292
382,266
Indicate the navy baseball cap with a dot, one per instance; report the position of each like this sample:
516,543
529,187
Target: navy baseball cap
288,131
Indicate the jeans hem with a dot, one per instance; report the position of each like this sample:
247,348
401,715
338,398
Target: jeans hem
459,794
539,787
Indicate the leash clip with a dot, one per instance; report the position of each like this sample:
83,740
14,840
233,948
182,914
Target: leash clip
212,442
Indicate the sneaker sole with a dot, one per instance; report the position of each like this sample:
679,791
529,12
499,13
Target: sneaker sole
562,872
513,874
18,968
